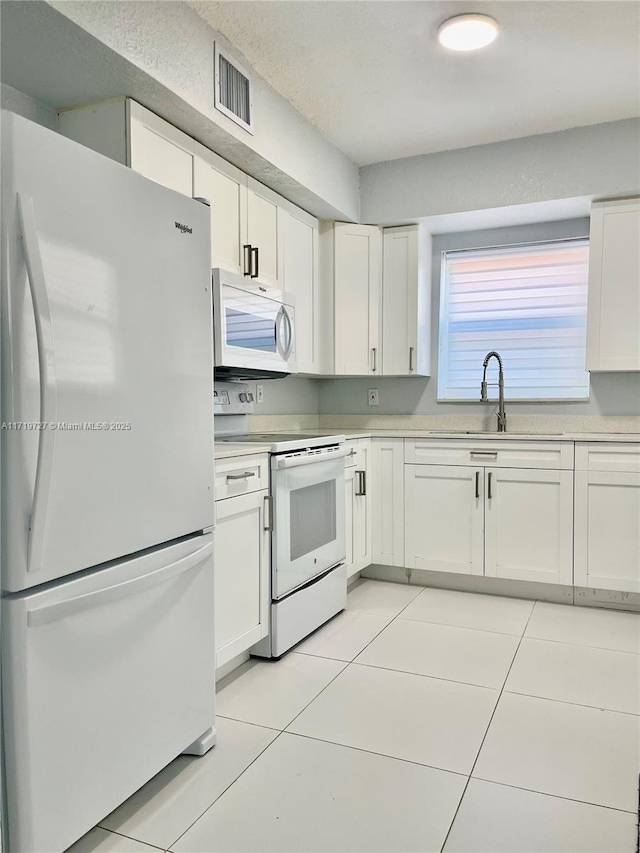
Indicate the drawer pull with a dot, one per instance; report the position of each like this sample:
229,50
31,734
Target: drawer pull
244,476
484,454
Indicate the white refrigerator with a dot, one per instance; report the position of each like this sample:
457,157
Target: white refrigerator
108,652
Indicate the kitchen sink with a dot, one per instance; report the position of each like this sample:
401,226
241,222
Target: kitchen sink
482,432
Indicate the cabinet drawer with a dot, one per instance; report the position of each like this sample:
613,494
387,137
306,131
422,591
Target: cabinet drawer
608,456
497,453
359,449
351,460
241,475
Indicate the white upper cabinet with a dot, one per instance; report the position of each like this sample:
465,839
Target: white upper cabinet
613,318
406,301
265,233
301,279
351,272
247,218
225,187
136,137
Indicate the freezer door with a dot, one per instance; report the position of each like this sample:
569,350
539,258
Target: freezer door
110,677
107,359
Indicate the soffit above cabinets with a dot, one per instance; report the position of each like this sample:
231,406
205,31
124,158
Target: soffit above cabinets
372,78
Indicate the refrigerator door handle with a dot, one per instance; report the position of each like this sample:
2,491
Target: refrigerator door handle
60,609
48,387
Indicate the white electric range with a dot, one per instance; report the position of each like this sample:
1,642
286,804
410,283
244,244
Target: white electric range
308,545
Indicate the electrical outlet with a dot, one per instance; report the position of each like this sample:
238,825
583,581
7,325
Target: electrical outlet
373,396
259,393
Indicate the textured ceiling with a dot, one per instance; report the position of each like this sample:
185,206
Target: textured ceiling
371,77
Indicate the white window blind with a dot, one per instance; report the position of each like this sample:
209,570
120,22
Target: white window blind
527,302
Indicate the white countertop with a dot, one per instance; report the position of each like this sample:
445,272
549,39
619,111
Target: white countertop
500,436
228,449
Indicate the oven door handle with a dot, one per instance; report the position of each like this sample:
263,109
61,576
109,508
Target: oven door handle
294,461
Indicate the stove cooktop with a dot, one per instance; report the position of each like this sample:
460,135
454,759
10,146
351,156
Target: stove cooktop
279,441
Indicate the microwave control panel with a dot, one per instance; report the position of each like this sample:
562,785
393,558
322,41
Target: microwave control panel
232,398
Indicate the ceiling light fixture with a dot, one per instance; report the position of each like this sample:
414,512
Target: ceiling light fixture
467,32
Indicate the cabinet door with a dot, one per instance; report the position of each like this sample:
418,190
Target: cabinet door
160,151
265,231
357,286
607,530
387,501
362,506
226,189
529,525
613,320
406,260
349,500
444,518
301,279
241,571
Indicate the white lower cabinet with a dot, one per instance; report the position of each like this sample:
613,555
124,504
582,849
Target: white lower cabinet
358,507
387,501
500,522
528,525
607,516
241,570
444,518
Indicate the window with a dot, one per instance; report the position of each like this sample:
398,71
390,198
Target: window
527,302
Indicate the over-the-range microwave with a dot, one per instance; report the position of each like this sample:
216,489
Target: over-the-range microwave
253,329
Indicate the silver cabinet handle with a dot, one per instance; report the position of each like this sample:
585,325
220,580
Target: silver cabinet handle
362,484
268,512
244,476
374,353
477,484
352,453
489,495
484,454
410,359
247,256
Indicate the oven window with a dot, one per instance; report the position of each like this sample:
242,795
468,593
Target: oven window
313,518
250,331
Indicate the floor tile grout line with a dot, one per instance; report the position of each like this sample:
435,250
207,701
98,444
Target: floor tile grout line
222,793
554,796
574,704
424,675
337,675
464,627
128,837
380,754
486,732
249,723
581,645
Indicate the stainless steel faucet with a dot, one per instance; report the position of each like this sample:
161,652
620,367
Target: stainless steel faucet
500,414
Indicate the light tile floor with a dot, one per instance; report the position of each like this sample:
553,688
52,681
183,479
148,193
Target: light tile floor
417,720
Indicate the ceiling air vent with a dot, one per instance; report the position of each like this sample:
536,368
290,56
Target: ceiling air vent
233,90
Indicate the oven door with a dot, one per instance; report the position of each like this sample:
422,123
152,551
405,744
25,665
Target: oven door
254,328
309,520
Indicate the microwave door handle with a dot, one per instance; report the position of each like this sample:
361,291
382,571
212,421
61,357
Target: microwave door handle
278,322
289,324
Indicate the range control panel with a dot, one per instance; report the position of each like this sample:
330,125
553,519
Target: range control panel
232,398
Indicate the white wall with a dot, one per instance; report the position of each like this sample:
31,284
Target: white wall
17,102
174,46
293,395
610,394
600,161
